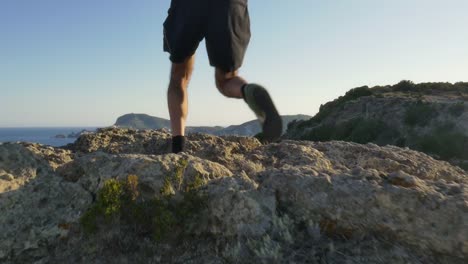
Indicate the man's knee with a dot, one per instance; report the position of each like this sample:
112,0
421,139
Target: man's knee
181,73
221,77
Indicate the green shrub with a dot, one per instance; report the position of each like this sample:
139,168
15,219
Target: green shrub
109,197
356,93
457,109
461,87
430,88
366,130
445,142
400,142
404,86
359,130
464,165
337,104
108,205
163,217
420,114
320,133
344,130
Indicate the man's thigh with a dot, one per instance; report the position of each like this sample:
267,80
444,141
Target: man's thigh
184,28
227,33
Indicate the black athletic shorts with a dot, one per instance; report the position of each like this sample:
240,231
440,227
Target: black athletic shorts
225,25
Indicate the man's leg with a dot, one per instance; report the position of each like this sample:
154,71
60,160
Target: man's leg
177,100
229,83
257,98
226,44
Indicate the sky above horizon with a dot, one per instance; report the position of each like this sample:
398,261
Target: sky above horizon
84,63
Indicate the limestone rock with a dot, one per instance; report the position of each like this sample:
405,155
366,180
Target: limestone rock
36,206
293,201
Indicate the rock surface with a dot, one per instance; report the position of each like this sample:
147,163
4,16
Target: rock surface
293,201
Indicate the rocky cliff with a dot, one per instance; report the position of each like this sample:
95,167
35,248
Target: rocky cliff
116,196
428,117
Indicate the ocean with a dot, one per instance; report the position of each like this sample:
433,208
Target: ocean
42,135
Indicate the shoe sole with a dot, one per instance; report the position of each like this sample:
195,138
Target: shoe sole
273,124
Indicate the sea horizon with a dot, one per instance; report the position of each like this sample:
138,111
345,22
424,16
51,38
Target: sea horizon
52,136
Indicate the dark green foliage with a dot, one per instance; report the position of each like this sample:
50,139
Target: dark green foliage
324,111
400,142
464,165
90,218
328,108
404,86
367,130
304,124
457,109
430,88
162,218
108,205
289,126
177,216
320,133
358,130
461,86
444,141
356,93
260,136
420,114
164,221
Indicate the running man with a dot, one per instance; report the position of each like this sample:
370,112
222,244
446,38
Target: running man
225,26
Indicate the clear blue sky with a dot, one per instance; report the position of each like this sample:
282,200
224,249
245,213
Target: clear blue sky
86,62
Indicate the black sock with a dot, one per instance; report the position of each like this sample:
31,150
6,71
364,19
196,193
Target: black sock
243,90
178,144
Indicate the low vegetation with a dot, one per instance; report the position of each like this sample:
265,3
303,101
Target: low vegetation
120,203
417,125
445,142
425,88
358,130
404,86
457,109
420,114
330,107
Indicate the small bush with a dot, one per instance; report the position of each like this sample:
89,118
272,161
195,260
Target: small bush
357,130
320,133
337,104
404,86
164,217
356,93
444,142
344,130
464,165
366,130
108,205
461,87
420,114
457,109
